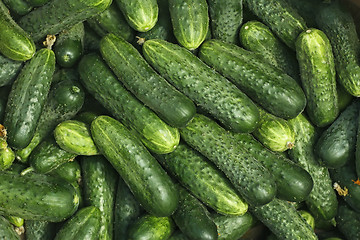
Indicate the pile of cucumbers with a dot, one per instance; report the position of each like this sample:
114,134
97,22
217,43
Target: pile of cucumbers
179,119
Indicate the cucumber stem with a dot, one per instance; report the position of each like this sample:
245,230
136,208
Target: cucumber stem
289,145
3,132
140,40
26,171
49,42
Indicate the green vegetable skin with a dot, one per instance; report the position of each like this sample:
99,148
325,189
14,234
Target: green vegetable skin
7,231
9,69
18,7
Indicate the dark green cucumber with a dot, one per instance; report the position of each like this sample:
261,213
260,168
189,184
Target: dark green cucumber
178,235
91,39
307,10
18,7
257,37
69,171
99,181
226,18
141,15
127,210
344,98
86,117
58,15
138,77
149,183
7,231
336,145
37,3
37,197
75,137
282,19
85,224
317,71
275,91
233,227
322,201
348,222
196,173
208,89
190,21
39,230
338,25
27,98
9,69
151,228
275,133
106,88
242,169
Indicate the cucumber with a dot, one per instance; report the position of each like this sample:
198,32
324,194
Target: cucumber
138,77
204,86
275,133
178,235
276,92
344,98
7,231
152,228
70,171
75,137
348,222
27,98
58,15
322,201
104,86
215,143
7,157
336,145
317,71
233,227
307,10
193,219
37,197
9,69
226,18
99,186
39,230
335,20
91,39
85,224
37,3
257,37
190,21
141,15
18,7
149,183
196,173
282,19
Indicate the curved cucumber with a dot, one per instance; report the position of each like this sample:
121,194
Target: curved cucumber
9,69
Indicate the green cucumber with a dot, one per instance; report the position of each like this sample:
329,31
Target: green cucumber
208,89
282,19
226,18
196,173
275,91
58,15
99,186
91,39
27,98
257,37
178,235
307,10
39,230
344,98
336,145
141,15
69,171
348,222
152,228
317,71
37,3
18,7
85,224
215,143
7,231
37,197
322,201
7,157
9,69
275,133
75,137
150,184
338,25
106,88
138,77
190,21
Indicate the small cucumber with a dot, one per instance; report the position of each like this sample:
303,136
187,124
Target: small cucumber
7,231
7,157
9,69
348,222
39,230
69,171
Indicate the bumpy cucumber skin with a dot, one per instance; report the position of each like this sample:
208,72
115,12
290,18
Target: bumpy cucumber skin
190,21
318,77
85,224
138,77
27,98
99,186
196,173
257,37
37,197
39,230
208,89
214,142
193,218
152,228
284,220
106,88
348,222
149,183
336,145
7,231
271,88
58,15
141,15
322,201
9,69
282,19
338,25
